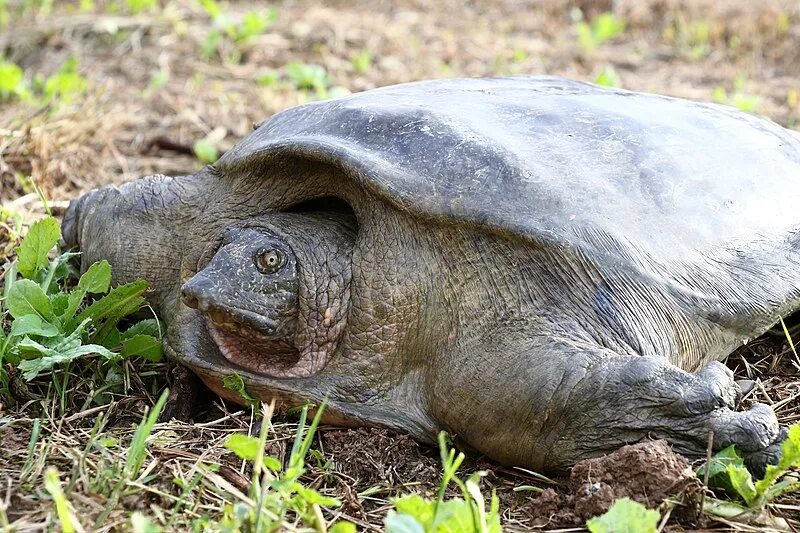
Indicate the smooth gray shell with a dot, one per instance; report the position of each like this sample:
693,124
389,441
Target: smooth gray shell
603,170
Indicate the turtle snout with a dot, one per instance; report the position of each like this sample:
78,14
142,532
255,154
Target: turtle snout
194,294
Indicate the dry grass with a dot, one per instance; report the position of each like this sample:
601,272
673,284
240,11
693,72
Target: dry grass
676,47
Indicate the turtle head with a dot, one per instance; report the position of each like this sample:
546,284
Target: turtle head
249,294
274,292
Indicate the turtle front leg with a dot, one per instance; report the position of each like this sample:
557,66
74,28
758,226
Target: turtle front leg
573,400
626,398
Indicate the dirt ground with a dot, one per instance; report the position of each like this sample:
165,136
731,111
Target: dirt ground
152,94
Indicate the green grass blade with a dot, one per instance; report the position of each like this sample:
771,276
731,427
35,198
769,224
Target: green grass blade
138,448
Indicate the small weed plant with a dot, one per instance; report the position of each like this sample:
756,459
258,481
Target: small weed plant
608,77
600,29
361,61
415,513
65,86
625,516
276,493
45,323
230,36
739,99
728,475
314,78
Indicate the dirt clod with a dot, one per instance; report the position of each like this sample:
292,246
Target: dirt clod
647,472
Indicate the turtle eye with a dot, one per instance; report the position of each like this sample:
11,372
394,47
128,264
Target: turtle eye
269,260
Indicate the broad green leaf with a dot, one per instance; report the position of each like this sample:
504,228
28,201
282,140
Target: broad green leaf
625,516
143,346
724,508
50,357
32,325
402,523
141,524
790,456
143,327
96,279
742,483
342,526
313,497
718,477
235,383
454,516
205,151
111,340
108,310
59,301
272,463
62,270
245,447
26,297
32,253
416,506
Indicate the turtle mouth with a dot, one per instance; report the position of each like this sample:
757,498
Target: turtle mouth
252,342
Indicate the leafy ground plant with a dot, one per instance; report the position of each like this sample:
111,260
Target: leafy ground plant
415,514
600,29
64,86
230,35
625,516
608,77
308,77
50,324
738,98
276,492
727,474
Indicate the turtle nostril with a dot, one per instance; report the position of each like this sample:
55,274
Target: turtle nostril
189,298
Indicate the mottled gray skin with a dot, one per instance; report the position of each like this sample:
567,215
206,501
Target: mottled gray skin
546,268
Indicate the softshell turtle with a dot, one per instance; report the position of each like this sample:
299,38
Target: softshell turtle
547,269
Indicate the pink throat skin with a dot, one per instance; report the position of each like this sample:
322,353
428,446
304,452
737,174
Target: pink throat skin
251,350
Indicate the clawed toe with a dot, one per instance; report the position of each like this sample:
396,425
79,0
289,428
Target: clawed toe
756,462
751,430
713,388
